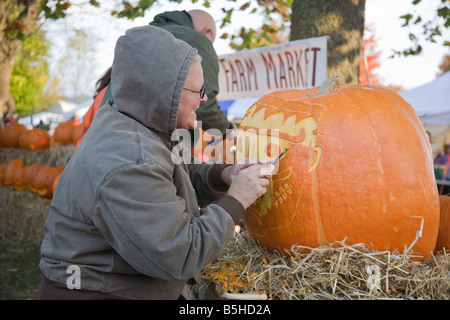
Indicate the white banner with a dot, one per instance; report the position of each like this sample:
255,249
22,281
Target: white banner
251,73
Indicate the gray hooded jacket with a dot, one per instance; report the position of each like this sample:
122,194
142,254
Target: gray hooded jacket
123,212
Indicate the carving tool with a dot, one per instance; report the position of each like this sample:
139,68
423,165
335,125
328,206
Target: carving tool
283,153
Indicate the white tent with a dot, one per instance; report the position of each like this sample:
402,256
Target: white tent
48,118
431,102
81,109
56,113
70,109
63,107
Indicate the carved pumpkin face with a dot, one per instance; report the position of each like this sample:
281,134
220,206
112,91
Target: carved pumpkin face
269,127
43,181
38,139
359,167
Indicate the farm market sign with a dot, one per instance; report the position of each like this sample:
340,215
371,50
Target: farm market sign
251,73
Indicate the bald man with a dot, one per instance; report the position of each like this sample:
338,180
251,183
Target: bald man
203,22
197,27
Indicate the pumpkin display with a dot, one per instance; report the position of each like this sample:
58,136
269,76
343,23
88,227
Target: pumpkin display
11,134
10,171
443,239
357,166
63,132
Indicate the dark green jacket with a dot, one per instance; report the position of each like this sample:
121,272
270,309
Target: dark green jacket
180,25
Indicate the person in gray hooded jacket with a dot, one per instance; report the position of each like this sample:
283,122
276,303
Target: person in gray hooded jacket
124,221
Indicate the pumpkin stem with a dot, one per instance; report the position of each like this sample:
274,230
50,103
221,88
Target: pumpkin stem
330,85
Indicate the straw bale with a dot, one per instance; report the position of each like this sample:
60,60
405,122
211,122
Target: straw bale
339,271
23,214
54,156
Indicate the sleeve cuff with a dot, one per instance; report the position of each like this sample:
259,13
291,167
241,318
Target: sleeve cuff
233,207
215,177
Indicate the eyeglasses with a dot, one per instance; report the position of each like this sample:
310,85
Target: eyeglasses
202,91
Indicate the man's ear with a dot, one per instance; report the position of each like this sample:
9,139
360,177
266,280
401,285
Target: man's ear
316,160
208,33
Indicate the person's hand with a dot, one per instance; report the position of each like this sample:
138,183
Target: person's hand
230,172
249,182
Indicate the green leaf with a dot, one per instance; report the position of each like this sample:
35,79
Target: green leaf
407,17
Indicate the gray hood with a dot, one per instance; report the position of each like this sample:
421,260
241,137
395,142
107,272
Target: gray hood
148,74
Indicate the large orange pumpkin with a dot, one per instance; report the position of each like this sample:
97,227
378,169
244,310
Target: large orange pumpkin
11,134
358,167
443,239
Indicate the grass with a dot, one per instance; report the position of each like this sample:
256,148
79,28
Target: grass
20,275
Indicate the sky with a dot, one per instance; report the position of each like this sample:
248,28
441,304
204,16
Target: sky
384,15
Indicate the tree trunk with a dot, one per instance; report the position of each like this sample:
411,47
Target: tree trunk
6,99
343,22
11,43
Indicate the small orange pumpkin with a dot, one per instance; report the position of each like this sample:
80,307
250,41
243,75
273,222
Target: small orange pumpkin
20,182
358,167
55,182
443,239
77,132
11,134
63,132
10,171
24,139
31,174
43,180
39,139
